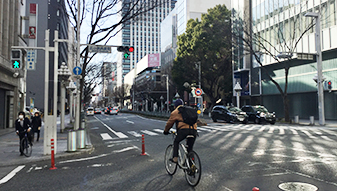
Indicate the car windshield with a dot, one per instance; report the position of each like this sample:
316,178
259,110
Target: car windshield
90,109
234,109
261,109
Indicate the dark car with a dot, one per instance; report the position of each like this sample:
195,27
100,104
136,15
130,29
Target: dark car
107,110
259,114
97,111
220,112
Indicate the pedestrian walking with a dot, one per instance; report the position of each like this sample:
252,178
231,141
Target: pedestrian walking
36,124
22,125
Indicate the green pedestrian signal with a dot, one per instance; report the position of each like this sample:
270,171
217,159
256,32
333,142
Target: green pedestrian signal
16,58
16,64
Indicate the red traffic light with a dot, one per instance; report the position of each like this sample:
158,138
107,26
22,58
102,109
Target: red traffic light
131,49
329,83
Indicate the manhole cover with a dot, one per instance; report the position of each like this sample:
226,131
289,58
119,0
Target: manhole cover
297,186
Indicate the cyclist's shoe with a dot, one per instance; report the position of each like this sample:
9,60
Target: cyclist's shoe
21,154
31,144
174,159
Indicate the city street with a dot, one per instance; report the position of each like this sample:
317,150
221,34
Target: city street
234,157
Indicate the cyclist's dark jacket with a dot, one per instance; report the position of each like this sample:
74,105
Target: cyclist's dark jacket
176,117
26,125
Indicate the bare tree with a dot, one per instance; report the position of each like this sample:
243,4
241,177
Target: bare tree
120,93
255,43
101,14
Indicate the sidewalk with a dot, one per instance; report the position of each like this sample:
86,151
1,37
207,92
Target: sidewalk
9,146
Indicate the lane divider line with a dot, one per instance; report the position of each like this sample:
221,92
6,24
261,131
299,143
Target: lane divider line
118,134
11,174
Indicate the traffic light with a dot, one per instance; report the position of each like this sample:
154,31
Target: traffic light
126,50
329,85
16,58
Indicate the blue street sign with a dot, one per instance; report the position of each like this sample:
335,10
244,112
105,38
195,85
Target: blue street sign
198,104
77,70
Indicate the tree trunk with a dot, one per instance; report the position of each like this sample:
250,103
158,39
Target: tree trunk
286,108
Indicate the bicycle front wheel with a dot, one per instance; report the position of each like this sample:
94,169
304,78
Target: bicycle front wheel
170,166
193,173
26,147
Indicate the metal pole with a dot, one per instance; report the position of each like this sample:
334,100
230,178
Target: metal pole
319,72
167,92
46,81
201,100
63,93
77,115
56,56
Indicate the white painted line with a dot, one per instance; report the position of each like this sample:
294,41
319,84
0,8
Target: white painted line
318,133
118,134
38,168
31,168
160,130
106,136
262,128
294,131
126,149
326,138
130,122
84,159
308,134
271,130
251,128
204,129
149,132
134,133
11,174
281,131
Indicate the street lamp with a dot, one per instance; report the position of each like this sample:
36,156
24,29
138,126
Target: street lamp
319,66
64,74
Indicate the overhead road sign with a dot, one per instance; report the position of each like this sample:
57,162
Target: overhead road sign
99,48
77,70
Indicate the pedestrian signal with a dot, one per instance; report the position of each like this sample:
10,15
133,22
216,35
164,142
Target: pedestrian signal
16,58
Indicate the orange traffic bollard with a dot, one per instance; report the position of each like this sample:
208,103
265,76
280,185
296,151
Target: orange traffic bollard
143,145
52,156
256,189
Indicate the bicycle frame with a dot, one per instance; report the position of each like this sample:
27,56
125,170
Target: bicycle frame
182,156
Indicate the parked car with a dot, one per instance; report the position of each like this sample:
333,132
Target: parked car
230,115
114,111
90,111
97,111
241,116
259,114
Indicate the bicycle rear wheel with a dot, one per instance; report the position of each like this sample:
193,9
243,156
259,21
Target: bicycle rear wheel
170,166
193,173
26,148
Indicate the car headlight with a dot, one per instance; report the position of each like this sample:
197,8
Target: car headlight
262,115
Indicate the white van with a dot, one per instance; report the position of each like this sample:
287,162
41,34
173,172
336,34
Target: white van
90,111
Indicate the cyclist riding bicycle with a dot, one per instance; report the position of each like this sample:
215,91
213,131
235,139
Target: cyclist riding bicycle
22,125
183,130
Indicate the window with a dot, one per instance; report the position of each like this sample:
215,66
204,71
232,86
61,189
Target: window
58,12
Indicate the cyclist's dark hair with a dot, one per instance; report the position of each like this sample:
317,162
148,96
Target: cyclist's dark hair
22,113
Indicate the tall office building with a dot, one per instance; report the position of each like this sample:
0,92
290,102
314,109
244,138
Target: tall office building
51,15
143,33
281,23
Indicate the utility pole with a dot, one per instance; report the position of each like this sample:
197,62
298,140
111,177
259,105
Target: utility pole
78,95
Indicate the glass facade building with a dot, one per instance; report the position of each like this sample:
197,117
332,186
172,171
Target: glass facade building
279,26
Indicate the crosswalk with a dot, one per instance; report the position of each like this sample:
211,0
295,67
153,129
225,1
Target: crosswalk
310,132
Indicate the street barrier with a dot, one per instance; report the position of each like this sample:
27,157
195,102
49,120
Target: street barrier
143,145
296,119
71,142
312,120
52,155
81,138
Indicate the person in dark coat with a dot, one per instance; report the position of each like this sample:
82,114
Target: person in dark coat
36,124
22,125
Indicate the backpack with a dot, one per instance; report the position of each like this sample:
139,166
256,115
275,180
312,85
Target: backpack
189,115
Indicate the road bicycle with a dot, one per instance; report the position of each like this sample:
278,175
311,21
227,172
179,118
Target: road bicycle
25,146
189,162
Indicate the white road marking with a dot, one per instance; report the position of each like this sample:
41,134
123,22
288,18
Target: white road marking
326,138
118,134
294,131
134,133
84,159
130,122
271,130
204,129
160,130
262,128
106,136
149,132
308,134
251,128
126,149
281,131
11,174
38,168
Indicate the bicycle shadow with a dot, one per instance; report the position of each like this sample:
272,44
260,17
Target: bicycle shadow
158,183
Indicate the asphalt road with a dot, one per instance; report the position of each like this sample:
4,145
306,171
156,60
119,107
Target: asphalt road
234,157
